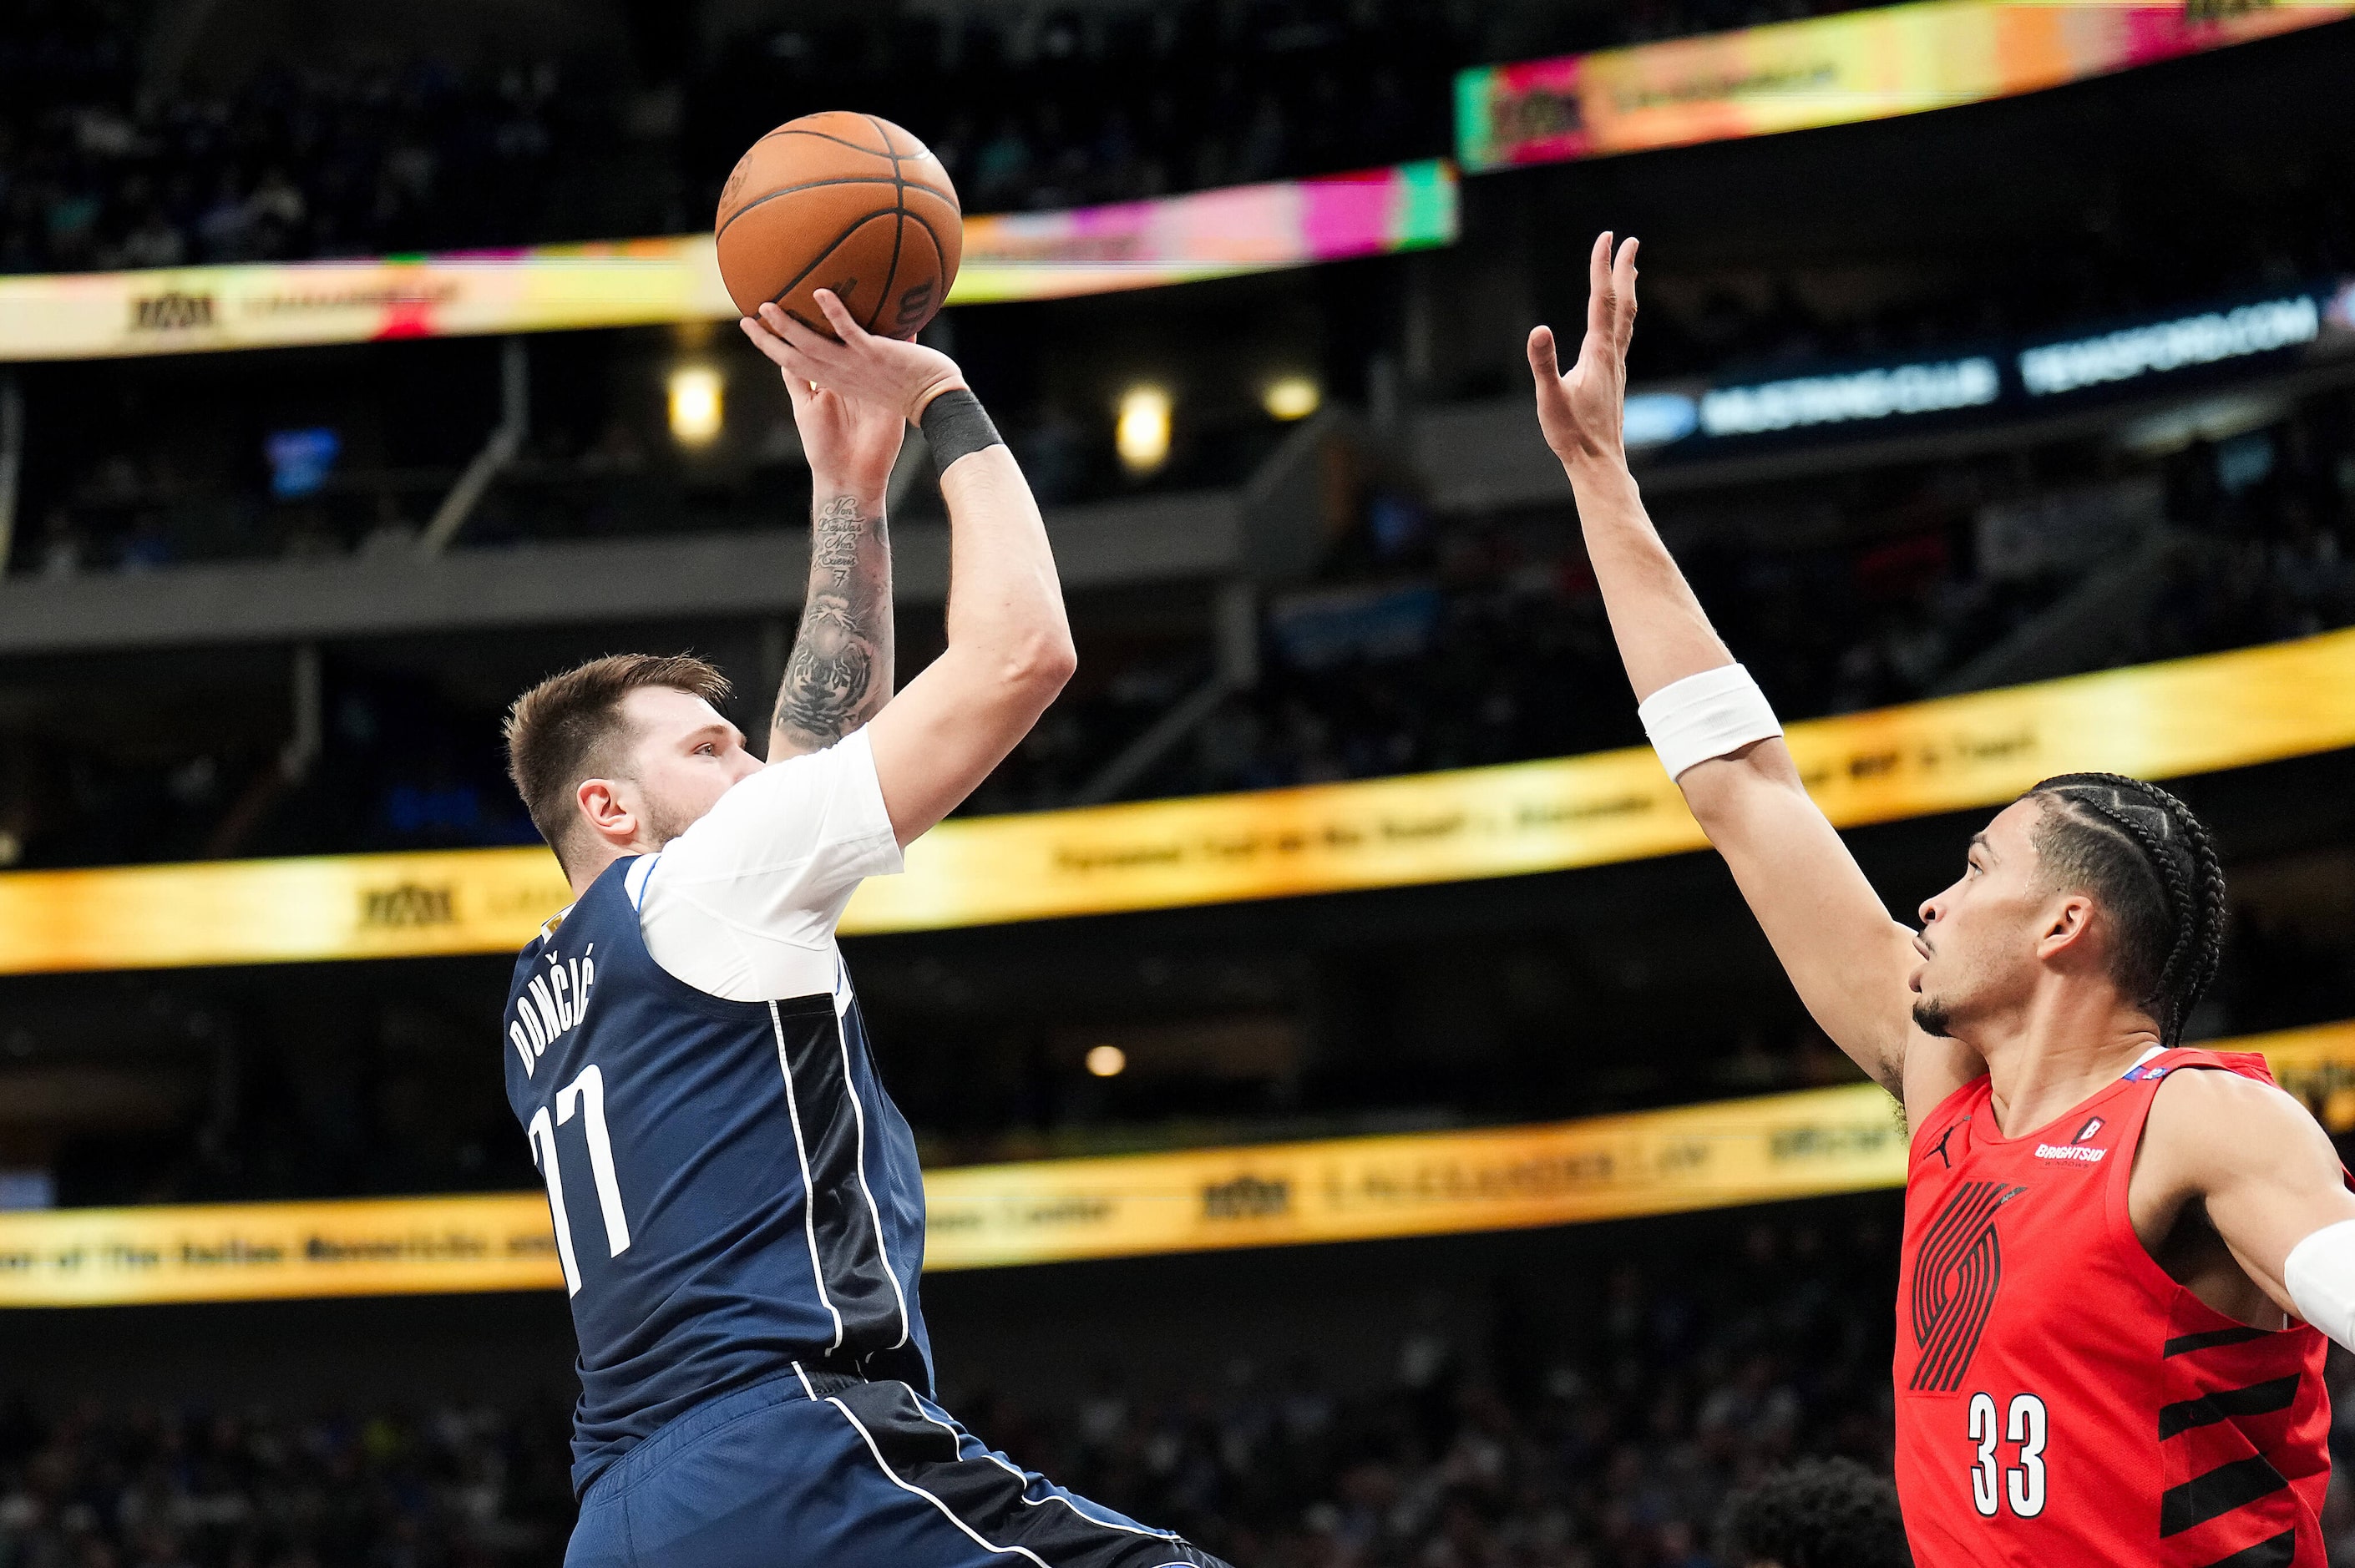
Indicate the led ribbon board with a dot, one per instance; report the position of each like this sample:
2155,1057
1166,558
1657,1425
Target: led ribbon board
1020,256
2195,340
2156,721
1831,71
1759,1150
2125,359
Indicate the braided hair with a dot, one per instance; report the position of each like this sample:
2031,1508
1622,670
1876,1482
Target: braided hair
2141,852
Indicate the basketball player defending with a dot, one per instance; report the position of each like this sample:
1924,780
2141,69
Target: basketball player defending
738,1209
2110,1239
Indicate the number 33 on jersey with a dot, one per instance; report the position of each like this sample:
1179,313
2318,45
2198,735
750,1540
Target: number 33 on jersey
2022,1483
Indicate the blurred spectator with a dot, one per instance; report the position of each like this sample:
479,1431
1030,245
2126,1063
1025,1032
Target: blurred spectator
1819,1513
209,1488
62,548
97,171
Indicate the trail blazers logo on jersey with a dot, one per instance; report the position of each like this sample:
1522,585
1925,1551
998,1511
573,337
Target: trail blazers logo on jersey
1956,1276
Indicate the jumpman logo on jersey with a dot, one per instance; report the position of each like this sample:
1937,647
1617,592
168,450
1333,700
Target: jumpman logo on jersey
1939,1148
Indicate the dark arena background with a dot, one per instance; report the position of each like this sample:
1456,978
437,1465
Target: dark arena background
1359,1126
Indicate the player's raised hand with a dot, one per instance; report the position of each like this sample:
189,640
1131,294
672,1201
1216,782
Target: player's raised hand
900,375
1582,410
851,442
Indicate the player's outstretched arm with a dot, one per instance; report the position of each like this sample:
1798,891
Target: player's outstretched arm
1849,960
2270,1183
1009,646
839,673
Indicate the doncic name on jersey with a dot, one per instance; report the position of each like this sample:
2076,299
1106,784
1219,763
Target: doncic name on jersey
552,1001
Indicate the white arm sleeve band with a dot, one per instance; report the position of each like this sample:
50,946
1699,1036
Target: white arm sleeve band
1709,715
2320,1274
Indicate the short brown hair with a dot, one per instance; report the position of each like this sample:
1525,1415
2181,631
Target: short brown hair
563,730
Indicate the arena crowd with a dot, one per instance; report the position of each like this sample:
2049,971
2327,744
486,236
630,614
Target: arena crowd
1625,1441
1431,643
102,167
1616,1444
1446,643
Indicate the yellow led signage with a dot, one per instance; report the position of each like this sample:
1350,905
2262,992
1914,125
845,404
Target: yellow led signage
1758,1151
1224,233
1833,70
241,1252
2191,715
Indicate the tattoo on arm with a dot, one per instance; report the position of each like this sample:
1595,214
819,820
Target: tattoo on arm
840,670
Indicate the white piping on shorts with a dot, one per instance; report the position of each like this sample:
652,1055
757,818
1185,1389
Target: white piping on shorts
1050,1497
946,1512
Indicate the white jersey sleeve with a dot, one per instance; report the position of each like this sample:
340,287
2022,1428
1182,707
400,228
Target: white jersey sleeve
744,903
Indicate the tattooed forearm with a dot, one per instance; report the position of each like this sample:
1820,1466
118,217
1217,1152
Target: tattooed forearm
840,670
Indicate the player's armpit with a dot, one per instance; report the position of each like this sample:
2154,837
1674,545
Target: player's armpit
2264,1167
1848,960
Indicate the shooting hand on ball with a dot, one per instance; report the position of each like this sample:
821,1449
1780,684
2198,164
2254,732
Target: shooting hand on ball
851,442
855,364
1582,411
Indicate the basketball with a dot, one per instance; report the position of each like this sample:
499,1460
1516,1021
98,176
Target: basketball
846,202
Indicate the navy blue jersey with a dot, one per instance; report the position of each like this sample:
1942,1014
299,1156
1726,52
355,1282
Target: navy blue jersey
732,1191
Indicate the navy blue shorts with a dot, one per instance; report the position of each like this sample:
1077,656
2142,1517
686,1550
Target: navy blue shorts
834,1473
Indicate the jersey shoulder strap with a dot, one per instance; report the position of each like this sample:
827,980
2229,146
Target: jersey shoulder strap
2245,1063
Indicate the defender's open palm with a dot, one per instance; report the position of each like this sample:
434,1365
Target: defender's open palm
1582,411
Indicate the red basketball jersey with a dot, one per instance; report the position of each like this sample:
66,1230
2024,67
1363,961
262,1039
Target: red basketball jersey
2061,1400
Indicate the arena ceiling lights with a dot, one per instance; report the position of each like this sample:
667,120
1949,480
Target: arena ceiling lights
1832,70
2155,721
1208,234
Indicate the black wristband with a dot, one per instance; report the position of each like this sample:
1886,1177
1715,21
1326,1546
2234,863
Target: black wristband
956,426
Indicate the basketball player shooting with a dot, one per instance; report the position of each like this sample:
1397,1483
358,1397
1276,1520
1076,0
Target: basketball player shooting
2114,1243
737,1204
